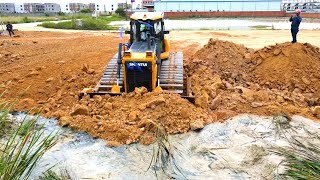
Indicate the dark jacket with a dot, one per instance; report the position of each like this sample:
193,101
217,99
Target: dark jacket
295,22
9,26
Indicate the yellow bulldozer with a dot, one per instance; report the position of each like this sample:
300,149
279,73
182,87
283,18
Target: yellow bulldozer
145,61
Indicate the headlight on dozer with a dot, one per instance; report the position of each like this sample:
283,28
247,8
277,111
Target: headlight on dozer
148,53
127,53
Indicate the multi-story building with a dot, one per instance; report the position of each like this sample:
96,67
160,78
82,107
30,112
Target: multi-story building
106,7
19,8
92,6
34,7
66,7
52,7
76,7
7,7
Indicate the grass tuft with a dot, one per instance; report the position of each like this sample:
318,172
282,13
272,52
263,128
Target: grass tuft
302,157
23,147
51,175
162,157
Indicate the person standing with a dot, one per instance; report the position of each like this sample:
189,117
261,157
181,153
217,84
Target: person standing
10,29
295,23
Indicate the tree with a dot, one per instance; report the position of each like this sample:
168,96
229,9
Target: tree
120,11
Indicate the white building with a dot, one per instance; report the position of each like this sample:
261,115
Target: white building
7,7
65,7
52,7
19,8
108,6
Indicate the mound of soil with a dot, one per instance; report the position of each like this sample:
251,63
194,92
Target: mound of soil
228,76
289,67
122,119
220,57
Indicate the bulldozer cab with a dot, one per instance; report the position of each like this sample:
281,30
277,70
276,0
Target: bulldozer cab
147,25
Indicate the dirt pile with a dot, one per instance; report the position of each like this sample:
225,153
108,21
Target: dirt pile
220,57
122,119
228,76
288,67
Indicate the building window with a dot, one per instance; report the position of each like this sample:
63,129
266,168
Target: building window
52,9
52,5
112,9
67,9
21,9
111,5
97,9
97,5
66,5
20,5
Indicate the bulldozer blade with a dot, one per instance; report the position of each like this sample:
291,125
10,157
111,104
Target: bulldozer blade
189,98
100,93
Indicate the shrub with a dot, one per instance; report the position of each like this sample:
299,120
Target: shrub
86,10
26,19
60,13
86,24
48,25
120,11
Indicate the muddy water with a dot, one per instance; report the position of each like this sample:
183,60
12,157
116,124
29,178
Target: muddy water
236,149
230,24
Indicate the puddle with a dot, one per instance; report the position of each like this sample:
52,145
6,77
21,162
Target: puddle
236,149
229,24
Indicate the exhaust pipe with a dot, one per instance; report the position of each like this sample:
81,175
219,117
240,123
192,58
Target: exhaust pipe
158,53
119,62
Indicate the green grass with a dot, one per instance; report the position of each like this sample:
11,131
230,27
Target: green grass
114,17
29,19
262,27
302,157
205,29
5,124
24,145
302,160
88,23
51,175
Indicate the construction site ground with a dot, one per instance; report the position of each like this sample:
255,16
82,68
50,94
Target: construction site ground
45,71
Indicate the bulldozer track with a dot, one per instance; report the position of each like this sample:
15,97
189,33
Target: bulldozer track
109,77
171,76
